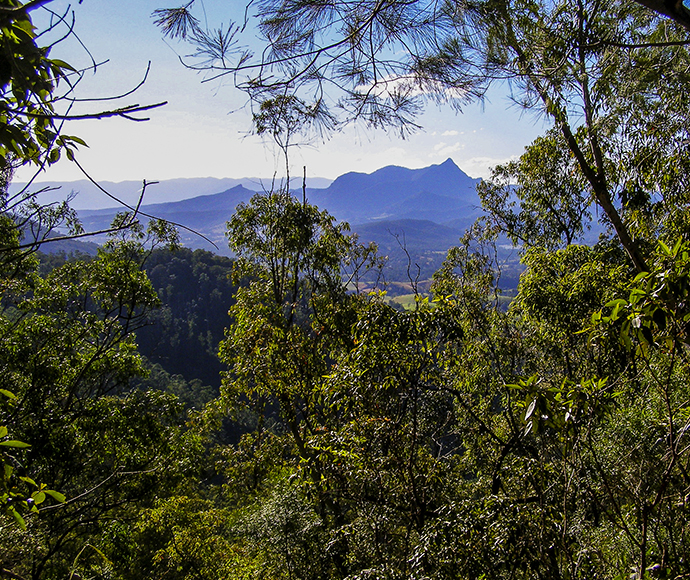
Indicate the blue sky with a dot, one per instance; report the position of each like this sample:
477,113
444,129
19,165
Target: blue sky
203,131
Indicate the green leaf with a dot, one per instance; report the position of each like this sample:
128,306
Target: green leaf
677,246
18,517
56,495
14,443
664,248
76,139
62,64
659,318
647,334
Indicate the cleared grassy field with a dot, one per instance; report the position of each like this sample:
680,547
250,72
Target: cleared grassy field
407,301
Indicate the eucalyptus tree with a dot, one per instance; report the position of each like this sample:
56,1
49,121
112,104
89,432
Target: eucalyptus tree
564,418
68,420
610,78
38,94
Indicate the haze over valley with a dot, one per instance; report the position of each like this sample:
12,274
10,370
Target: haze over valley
419,211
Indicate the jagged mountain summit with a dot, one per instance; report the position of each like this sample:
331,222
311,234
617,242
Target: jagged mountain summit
420,212
436,194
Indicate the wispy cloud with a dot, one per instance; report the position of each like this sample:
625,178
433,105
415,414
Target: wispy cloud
482,166
409,87
442,149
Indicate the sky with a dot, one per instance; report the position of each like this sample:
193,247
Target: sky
204,130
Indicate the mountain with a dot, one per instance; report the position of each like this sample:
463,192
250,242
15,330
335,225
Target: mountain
421,199
88,196
414,215
204,214
414,249
436,193
423,235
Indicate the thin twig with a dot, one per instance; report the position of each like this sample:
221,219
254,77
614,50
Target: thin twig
110,195
124,112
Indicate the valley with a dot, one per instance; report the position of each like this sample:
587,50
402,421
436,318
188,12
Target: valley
413,215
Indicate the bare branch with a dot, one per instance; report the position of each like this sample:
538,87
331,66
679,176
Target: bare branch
124,112
121,95
38,243
119,201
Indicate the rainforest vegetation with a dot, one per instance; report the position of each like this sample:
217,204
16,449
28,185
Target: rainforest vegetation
174,415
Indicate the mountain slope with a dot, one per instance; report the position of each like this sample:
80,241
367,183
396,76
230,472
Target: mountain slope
89,197
206,214
396,192
387,206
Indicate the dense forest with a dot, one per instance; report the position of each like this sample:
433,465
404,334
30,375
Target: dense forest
176,415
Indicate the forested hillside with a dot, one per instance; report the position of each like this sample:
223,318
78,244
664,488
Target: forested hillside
196,292
404,211
349,439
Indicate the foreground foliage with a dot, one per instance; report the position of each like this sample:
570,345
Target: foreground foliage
458,440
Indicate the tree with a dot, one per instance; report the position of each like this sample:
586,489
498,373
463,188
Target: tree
37,94
290,321
196,291
289,325
465,441
677,11
577,63
67,352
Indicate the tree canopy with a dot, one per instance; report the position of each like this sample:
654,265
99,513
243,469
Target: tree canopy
577,63
78,447
461,439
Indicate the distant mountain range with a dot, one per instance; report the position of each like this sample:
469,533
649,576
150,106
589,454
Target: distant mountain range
438,193
393,200
423,211
88,196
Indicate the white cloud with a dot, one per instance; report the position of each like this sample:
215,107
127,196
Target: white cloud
444,150
408,86
481,166
449,134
